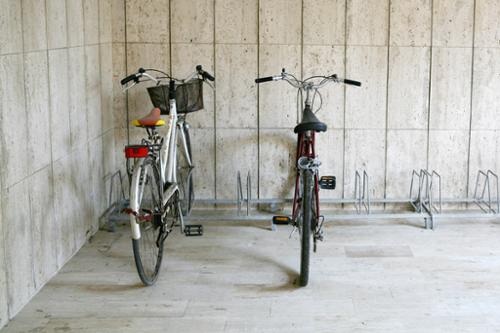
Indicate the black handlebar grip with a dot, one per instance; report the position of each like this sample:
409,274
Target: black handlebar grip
205,75
128,79
263,79
208,76
352,82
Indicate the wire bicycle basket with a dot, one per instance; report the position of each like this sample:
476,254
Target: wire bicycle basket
189,97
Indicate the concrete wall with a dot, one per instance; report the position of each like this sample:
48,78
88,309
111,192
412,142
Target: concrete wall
57,138
430,95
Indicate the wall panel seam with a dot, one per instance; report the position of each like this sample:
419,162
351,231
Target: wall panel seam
50,123
471,99
431,47
215,100
258,100
387,97
345,105
11,315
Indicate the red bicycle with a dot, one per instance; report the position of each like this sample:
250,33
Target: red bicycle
306,216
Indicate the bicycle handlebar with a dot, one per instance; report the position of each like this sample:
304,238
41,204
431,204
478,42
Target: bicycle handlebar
141,72
307,85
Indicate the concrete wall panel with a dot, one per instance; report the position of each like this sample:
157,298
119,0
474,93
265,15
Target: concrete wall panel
280,21
74,12
367,22
330,151
406,151
105,21
193,21
277,149
487,31
11,38
59,103
365,150
199,54
486,85
91,21
77,96
118,22
147,21
108,150
327,60
236,150
484,155
236,97
93,89
366,105
450,88
65,206
324,22
37,107
448,156
95,195
57,33
81,194
18,246
278,100
146,56
119,97
410,22
13,128
106,83
4,309
44,230
34,28
236,21
452,22
408,87
203,150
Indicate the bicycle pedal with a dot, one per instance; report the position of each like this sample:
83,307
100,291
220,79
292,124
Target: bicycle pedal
193,230
281,220
328,182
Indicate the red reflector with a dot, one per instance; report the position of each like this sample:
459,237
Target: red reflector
136,151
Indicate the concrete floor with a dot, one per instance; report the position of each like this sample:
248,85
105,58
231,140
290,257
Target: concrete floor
366,277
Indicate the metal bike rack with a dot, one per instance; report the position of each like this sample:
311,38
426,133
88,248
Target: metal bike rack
487,184
116,204
361,192
425,199
239,193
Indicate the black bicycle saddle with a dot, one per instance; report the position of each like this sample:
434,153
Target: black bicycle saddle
310,123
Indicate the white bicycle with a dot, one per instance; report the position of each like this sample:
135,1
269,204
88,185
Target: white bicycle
161,182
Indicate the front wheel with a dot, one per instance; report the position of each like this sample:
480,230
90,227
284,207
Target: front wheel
305,227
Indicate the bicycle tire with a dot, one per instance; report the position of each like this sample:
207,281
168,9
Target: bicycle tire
185,178
148,250
305,232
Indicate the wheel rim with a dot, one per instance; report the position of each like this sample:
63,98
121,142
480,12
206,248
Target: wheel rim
149,221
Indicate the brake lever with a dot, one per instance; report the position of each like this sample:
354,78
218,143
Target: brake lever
130,86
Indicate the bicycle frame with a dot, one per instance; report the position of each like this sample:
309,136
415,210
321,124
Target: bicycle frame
306,149
168,166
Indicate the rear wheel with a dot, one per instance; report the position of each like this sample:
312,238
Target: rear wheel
305,227
148,249
185,175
